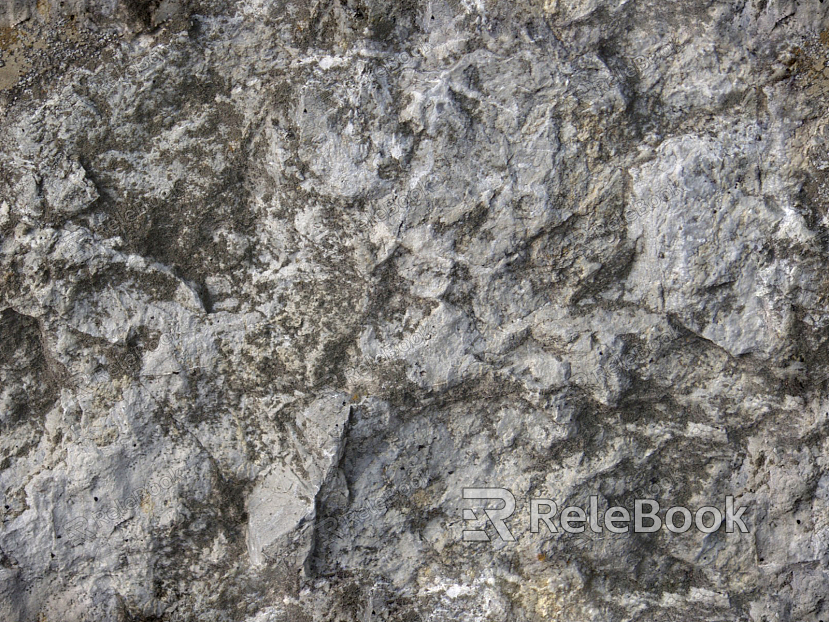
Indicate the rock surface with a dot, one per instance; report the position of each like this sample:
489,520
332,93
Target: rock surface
279,280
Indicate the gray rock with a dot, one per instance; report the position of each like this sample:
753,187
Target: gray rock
282,506
279,281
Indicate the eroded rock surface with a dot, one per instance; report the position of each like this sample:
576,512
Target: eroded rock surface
279,280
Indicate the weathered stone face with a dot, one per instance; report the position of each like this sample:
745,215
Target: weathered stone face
282,506
281,283
15,12
12,12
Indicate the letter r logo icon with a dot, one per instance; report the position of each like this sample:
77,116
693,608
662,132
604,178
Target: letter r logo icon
495,516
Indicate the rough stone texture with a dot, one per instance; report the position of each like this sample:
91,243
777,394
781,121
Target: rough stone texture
279,280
